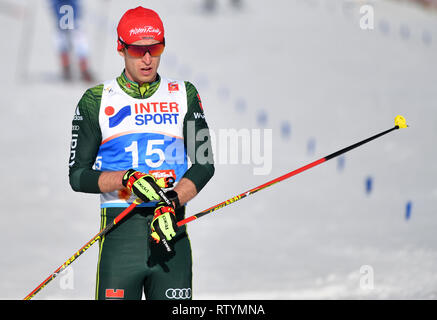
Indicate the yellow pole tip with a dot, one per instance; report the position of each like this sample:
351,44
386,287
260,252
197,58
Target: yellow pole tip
400,122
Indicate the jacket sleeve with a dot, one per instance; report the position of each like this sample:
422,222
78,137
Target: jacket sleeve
197,141
85,142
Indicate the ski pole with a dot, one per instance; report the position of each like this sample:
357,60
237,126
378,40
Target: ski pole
399,123
98,236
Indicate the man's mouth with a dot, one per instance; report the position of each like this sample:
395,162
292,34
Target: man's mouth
146,71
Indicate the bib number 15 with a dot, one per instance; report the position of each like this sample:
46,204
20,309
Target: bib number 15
154,155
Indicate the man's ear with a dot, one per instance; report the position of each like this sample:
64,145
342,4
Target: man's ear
121,53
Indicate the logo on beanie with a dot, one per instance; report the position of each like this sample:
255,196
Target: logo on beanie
145,29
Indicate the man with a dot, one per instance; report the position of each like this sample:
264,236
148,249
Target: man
130,136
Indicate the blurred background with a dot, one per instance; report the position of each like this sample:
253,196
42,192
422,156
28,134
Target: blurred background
321,74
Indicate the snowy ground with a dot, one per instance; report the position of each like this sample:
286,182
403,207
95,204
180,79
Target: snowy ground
304,69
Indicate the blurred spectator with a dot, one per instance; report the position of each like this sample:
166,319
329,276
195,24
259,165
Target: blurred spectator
426,3
211,5
70,37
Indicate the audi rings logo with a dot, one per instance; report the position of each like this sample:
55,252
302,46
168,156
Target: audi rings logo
184,293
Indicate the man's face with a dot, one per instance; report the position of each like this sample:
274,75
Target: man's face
142,69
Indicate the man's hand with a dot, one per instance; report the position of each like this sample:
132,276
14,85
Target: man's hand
164,224
141,185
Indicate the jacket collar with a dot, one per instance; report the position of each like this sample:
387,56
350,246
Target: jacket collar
136,90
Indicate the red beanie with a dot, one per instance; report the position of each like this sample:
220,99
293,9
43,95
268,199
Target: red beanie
139,24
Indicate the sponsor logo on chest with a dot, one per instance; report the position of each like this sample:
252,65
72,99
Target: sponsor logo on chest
148,113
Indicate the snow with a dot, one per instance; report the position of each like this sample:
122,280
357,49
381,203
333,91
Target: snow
305,64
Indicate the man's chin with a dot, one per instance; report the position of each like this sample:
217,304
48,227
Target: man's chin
146,78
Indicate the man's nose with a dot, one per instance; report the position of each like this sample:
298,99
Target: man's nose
147,58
